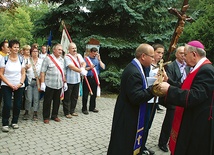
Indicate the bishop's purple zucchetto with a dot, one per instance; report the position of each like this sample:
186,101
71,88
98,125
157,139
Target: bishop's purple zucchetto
196,44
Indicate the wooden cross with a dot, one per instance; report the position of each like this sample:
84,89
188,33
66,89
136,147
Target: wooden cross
182,18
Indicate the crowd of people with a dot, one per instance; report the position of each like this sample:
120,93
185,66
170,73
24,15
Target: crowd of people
186,86
27,75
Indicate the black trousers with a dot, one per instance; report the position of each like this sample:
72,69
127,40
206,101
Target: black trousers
0,99
92,102
166,127
70,99
51,95
7,93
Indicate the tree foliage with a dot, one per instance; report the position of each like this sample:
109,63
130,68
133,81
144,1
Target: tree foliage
119,25
202,29
19,22
11,5
16,26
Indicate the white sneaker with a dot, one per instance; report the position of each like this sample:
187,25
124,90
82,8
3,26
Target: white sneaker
15,126
5,128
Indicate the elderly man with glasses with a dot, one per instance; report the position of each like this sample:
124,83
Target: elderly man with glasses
193,129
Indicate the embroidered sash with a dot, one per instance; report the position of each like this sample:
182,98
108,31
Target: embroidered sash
63,76
179,110
141,117
94,71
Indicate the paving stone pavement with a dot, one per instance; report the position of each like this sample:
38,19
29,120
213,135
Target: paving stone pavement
80,135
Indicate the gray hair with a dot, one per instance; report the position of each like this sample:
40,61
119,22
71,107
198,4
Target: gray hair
54,47
201,52
71,44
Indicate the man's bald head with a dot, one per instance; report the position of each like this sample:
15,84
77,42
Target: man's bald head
143,48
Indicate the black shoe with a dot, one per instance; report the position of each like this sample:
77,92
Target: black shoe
26,116
85,112
95,110
163,148
35,117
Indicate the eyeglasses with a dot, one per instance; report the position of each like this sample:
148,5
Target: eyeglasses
35,51
151,56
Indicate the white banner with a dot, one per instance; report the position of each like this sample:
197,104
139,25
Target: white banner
65,41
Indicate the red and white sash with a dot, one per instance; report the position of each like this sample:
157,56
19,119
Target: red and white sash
63,75
76,62
94,71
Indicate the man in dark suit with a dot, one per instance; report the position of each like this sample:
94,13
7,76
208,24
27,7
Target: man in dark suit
176,71
192,128
128,120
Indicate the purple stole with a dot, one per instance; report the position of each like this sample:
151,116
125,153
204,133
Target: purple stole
141,116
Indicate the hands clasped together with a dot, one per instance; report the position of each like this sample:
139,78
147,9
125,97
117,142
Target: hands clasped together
160,84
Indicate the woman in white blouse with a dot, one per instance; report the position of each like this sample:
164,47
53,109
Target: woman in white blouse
12,74
32,92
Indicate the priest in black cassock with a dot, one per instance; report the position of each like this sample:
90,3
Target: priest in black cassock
193,129
128,120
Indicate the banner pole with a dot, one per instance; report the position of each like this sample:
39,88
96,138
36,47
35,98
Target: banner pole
89,87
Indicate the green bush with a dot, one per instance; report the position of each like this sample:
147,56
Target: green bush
110,79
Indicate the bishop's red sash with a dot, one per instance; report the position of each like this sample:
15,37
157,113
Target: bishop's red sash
179,110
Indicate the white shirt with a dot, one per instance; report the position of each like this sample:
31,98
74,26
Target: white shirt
73,77
42,56
30,71
1,57
182,70
198,64
153,73
12,71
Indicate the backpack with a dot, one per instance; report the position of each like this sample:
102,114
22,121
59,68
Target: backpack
21,59
7,57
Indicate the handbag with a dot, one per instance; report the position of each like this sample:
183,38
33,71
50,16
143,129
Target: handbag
35,74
